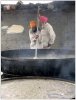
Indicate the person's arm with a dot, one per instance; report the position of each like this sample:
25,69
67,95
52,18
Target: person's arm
52,35
39,36
32,36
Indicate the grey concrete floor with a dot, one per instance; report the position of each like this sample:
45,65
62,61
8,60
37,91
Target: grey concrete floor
62,22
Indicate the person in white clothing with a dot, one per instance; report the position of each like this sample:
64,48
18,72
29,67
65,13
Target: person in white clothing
33,35
47,35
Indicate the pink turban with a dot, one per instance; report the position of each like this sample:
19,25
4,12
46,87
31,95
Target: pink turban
43,19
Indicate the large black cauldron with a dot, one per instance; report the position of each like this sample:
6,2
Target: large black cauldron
56,63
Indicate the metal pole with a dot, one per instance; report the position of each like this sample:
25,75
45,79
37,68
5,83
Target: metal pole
37,32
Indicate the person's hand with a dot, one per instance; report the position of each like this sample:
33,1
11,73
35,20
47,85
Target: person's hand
37,36
47,47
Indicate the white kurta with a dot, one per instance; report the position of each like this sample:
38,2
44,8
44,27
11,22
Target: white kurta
35,43
47,35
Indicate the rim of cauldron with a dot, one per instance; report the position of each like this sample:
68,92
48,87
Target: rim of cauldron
32,57
41,49
19,59
15,77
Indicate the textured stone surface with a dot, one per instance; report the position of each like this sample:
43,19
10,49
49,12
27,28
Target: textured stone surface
37,89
